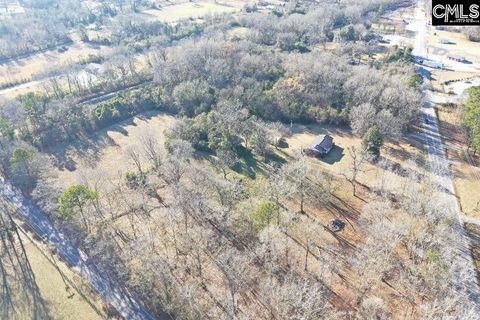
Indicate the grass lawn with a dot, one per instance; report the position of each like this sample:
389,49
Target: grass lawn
52,277
473,232
392,169
459,44
467,177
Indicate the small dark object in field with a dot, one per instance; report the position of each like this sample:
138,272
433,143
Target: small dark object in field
282,143
336,225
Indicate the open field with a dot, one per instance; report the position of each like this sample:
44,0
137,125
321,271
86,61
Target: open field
53,277
36,65
104,155
192,10
459,45
181,10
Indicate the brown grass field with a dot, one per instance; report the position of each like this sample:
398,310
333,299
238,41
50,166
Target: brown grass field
395,156
473,231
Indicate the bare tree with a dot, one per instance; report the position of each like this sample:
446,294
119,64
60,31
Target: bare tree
357,164
237,273
135,157
304,184
151,148
226,159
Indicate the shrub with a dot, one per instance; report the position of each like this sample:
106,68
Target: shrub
136,180
110,111
373,141
264,215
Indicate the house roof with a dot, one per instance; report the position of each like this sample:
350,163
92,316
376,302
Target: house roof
323,142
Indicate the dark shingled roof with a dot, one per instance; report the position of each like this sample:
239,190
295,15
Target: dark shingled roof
323,143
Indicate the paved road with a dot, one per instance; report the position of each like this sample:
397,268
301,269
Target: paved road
37,220
464,270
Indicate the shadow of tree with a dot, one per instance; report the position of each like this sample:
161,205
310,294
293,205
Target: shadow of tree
334,156
395,167
19,295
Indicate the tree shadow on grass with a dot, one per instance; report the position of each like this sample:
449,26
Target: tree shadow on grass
334,156
274,159
473,232
251,165
395,167
318,128
19,289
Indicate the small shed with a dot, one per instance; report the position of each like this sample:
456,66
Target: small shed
322,145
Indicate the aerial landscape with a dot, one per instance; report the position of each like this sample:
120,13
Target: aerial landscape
239,159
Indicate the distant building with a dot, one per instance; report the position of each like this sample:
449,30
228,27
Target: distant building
433,64
456,58
322,145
